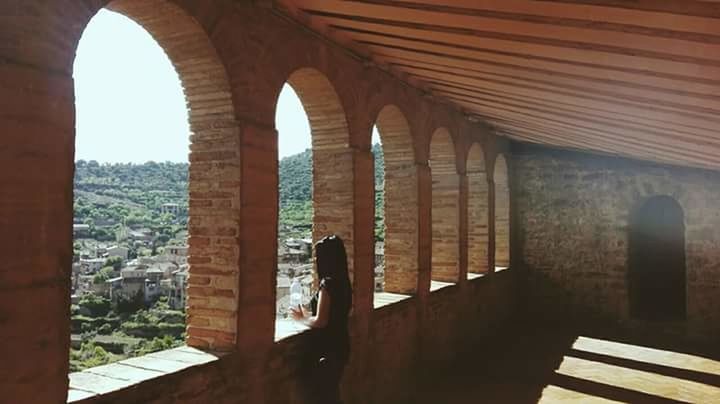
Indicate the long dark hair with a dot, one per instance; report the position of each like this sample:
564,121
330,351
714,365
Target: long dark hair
331,262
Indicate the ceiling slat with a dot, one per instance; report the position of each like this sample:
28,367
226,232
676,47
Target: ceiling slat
634,78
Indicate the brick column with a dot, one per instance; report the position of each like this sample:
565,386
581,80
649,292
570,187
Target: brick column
258,254
37,128
364,258
491,225
424,254
463,229
424,229
502,213
258,238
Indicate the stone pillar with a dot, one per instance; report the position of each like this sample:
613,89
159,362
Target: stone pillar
364,274
258,252
491,225
424,229
463,229
37,127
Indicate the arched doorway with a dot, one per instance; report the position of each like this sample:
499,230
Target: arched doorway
657,261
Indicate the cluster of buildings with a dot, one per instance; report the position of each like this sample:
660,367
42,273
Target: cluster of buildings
164,274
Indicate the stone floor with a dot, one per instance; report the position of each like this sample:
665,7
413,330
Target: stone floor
557,367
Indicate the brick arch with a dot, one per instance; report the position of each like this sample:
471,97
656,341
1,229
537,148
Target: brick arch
502,212
333,194
445,207
401,201
214,168
477,210
439,121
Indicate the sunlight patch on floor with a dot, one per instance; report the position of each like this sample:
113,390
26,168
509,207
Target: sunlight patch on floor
640,381
554,394
647,355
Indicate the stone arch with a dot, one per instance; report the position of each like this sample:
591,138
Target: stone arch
445,208
477,207
214,169
401,201
656,260
333,171
502,213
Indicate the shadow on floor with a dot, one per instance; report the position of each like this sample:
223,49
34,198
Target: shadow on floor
564,366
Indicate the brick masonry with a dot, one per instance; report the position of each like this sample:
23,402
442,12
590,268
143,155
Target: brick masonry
477,211
573,212
445,208
502,212
233,59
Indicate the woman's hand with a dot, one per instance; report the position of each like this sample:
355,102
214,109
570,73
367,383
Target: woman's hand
299,314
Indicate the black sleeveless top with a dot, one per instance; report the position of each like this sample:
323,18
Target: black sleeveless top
334,338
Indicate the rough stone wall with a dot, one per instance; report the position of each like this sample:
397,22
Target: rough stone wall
573,213
248,53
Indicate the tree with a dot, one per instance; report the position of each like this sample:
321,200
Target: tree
103,275
114,262
98,306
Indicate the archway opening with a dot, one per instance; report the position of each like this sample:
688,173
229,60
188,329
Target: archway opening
477,212
295,172
657,261
396,203
330,186
165,232
445,210
502,214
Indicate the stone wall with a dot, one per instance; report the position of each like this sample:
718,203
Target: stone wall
572,212
403,348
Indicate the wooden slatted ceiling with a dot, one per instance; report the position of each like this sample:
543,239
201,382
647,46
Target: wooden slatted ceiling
635,78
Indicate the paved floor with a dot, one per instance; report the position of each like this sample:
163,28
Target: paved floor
565,367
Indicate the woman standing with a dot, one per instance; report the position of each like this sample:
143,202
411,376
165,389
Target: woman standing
329,320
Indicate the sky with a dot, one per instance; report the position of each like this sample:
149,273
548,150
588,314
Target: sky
129,101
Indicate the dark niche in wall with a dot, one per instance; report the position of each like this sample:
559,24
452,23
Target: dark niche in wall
657,261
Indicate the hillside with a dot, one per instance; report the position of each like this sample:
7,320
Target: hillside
296,193
110,194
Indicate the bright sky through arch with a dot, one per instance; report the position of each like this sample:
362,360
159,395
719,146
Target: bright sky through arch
129,101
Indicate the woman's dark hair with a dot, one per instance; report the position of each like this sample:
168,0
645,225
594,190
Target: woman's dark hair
331,260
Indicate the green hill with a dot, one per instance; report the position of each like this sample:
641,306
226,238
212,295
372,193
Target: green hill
108,195
296,193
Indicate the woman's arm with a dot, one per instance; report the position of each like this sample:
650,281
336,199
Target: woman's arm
319,320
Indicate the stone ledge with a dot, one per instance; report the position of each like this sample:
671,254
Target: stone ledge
472,276
383,299
286,328
109,378
500,269
437,285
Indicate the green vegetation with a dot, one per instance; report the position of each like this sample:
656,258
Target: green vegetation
109,333
110,196
296,194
